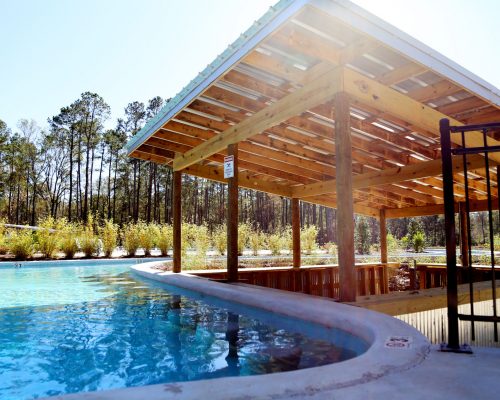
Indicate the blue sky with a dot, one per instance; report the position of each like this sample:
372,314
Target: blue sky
53,50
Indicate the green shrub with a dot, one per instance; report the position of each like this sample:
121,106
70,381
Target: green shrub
275,243
496,242
188,237
362,236
405,242
69,240
308,236
256,240
164,238
109,237
89,242
201,240
146,237
244,230
194,261
331,248
418,242
49,236
130,238
219,239
287,239
21,244
4,248
392,244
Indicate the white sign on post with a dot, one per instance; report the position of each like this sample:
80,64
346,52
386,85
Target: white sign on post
228,167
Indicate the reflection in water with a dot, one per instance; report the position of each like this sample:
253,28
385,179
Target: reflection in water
138,334
233,327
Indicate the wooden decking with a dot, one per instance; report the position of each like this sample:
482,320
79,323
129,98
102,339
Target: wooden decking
399,303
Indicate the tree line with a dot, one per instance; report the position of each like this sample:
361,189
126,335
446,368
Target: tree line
74,167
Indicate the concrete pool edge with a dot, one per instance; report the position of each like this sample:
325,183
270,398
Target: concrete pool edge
378,361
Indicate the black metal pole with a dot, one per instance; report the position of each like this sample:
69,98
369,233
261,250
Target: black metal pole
469,242
451,240
490,226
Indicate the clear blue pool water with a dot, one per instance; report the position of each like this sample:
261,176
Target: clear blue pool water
72,327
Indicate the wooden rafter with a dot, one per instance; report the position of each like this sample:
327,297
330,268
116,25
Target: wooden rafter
387,176
318,91
276,104
375,94
245,179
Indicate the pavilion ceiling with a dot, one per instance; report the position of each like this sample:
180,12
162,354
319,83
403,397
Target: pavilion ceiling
393,154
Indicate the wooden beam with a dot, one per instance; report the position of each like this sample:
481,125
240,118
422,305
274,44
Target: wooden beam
345,212
146,148
177,220
245,179
388,176
274,160
276,172
300,40
316,92
400,74
414,211
328,201
383,237
232,218
248,181
296,232
475,206
149,157
372,93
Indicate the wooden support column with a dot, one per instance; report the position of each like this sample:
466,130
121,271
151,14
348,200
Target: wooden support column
232,218
345,213
384,284
296,232
177,219
383,237
464,235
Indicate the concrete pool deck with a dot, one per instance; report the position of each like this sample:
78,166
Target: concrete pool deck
417,371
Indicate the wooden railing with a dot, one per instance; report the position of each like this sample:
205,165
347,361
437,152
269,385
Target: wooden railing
434,275
314,280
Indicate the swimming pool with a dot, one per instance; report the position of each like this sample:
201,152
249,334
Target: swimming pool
87,326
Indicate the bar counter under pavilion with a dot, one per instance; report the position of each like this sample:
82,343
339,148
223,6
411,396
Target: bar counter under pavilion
321,101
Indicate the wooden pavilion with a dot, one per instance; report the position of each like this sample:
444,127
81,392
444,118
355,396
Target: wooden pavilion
323,102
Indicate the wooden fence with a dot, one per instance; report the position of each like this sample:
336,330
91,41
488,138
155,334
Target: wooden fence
434,275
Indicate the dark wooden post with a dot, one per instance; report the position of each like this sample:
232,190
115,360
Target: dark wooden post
345,212
464,236
177,219
296,232
232,218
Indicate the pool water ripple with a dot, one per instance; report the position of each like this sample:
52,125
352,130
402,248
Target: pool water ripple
73,329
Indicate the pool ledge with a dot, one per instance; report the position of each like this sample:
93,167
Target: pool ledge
378,361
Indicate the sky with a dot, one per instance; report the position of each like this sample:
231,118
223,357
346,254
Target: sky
51,51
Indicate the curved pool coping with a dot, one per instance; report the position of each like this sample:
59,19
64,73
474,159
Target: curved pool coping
375,328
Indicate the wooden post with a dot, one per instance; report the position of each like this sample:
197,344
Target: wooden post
464,235
296,232
177,219
345,213
232,218
383,237
384,282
